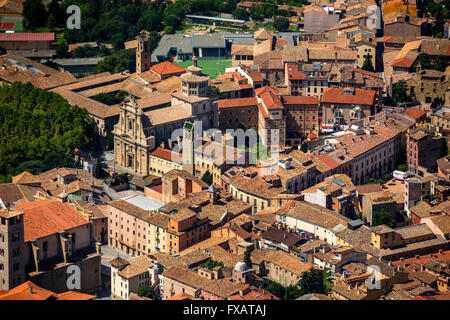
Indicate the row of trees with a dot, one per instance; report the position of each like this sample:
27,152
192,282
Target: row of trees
40,129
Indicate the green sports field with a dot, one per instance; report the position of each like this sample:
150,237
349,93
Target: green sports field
210,67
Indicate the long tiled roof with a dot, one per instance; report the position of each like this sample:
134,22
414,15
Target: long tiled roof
337,95
47,217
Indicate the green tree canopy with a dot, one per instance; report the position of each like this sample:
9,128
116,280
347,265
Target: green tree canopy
41,126
399,92
34,14
146,291
380,217
281,24
312,281
367,65
241,14
207,178
211,264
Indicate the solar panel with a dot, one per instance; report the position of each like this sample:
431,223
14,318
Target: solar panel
338,182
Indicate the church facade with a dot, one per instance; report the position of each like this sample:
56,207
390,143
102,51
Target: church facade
138,133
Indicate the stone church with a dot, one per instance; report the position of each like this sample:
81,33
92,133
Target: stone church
138,133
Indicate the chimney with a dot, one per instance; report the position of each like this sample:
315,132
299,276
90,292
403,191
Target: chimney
194,61
31,289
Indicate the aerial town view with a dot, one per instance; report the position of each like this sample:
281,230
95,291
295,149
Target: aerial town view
195,150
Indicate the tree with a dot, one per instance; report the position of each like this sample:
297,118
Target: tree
2,50
367,65
109,141
292,292
55,15
399,92
327,279
304,147
211,264
207,178
276,289
41,127
62,51
402,167
146,291
172,21
312,281
34,14
380,217
281,24
117,62
241,14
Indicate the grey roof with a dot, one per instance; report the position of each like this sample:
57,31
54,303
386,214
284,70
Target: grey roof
186,43
208,40
144,202
215,18
183,43
78,61
289,37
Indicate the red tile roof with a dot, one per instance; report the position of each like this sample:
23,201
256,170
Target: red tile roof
329,162
402,63
30,291
22,36
239,102
165,154
360,96
300,100
294,73
415,113
167,67
44,218
269,95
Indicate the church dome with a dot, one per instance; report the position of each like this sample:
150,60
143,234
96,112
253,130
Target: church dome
241,267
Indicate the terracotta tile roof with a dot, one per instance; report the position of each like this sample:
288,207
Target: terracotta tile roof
329,162
282,259
73,295
27,291
166,68
368,188
360,96
27,36
131,209
403,63
294,53
356,146
219,287
442,222
294,73
135,267
95,108
255,294
238,102
270,98
25,178
317,215
165,154
415,113
181,296
47,217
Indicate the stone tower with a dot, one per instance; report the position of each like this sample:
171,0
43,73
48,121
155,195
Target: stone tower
143,52
12,249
